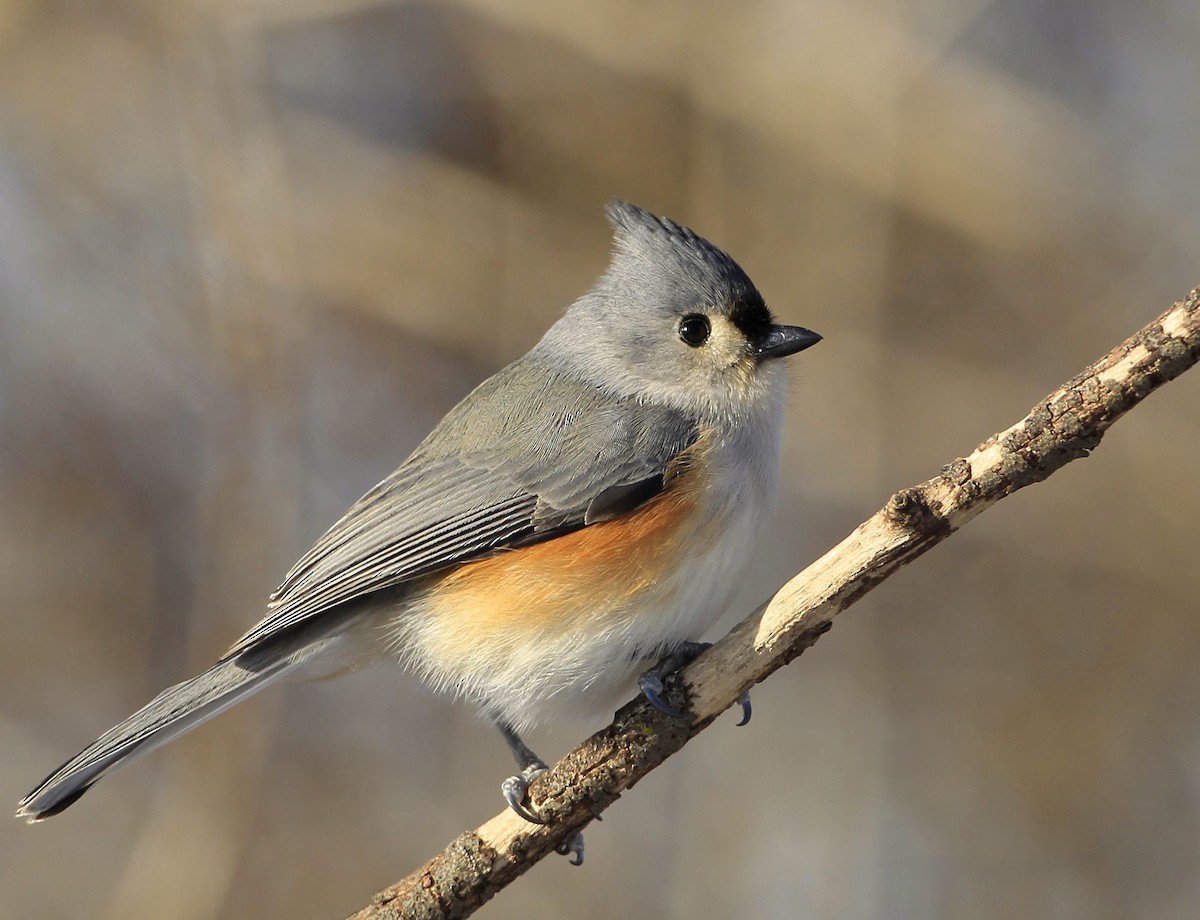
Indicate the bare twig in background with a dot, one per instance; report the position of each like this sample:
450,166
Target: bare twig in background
1064,426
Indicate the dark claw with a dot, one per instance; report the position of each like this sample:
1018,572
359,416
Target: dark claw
651,686
651,683
516,788
744,700
573,847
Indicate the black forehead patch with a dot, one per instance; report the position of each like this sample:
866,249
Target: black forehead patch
748,311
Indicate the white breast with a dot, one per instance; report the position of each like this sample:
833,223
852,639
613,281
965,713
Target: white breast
583,662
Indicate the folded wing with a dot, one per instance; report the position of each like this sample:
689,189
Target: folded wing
505,468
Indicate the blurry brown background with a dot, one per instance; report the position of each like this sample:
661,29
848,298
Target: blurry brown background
251,251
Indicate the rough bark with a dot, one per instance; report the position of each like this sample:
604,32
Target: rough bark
1064,426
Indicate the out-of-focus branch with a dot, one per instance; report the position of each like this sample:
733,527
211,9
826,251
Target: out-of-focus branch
1064,426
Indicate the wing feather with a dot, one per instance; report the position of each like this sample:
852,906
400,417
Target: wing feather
506,467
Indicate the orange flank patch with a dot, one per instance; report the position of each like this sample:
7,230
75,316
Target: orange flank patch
597,572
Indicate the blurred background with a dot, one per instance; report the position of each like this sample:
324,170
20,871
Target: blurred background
251,251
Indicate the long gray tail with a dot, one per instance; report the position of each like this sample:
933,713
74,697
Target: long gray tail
173,712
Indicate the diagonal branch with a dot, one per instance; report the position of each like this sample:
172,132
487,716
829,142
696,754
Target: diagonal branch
1064,426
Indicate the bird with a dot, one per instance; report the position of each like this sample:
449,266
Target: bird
587,510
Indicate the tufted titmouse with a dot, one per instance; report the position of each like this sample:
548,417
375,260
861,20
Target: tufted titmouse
587,509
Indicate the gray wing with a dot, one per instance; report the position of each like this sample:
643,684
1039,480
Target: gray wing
506,467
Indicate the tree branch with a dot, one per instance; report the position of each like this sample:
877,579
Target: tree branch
1064,426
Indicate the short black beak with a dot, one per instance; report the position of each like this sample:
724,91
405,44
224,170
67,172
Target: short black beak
781,341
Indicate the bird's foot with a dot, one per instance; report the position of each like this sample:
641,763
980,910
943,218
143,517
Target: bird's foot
573,847
651,683
516,790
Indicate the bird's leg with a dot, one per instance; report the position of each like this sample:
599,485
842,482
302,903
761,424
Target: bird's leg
651,683
516,789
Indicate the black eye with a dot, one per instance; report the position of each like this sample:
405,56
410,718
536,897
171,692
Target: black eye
695,329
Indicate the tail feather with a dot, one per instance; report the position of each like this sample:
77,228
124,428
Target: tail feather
173,712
